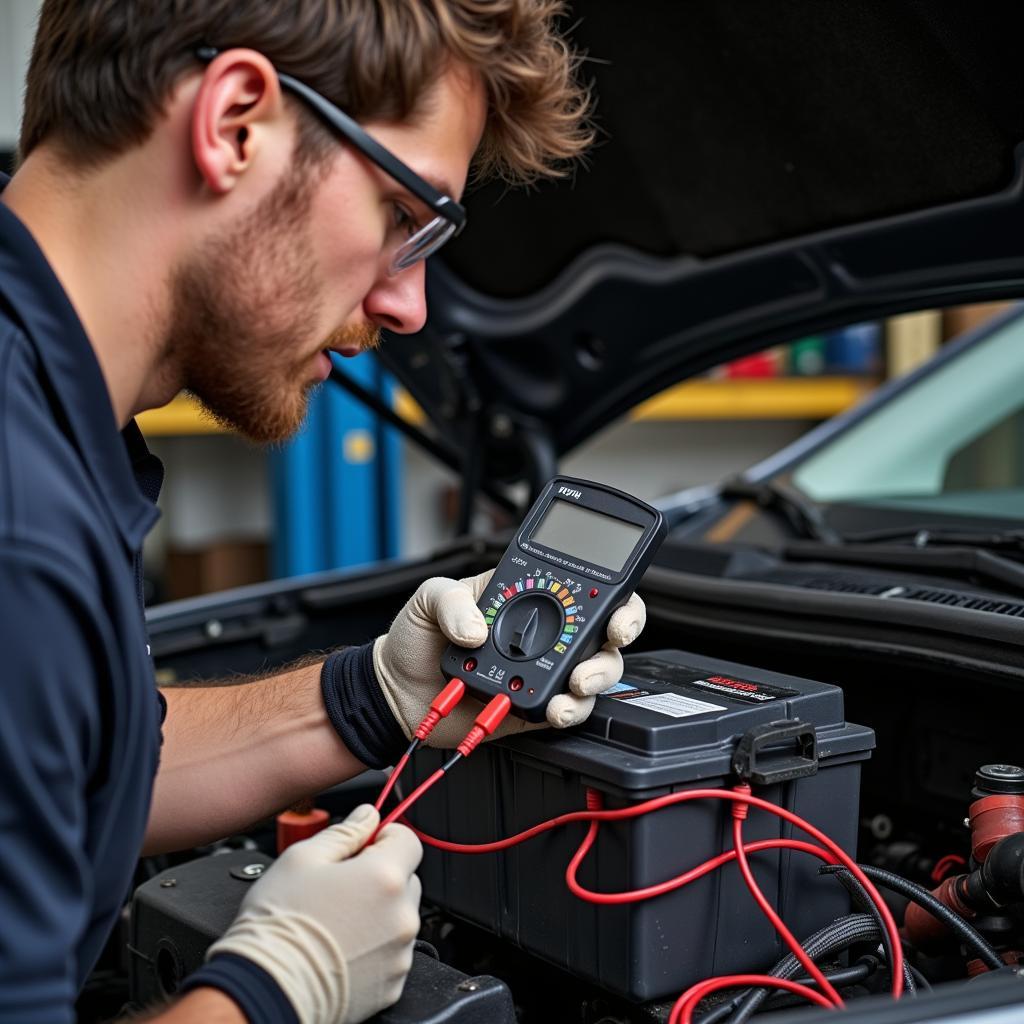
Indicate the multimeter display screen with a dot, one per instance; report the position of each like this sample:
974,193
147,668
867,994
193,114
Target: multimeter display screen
587,535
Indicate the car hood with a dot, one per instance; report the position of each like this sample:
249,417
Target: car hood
763,171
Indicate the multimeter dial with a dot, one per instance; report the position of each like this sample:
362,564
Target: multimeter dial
534,616
528,626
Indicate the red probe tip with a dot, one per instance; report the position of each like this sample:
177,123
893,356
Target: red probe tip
440,707
494,714
446,700
486,722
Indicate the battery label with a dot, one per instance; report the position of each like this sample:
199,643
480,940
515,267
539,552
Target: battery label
653,670
673,704
624,691
740,689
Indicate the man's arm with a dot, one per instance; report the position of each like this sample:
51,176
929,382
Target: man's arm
234,754
203,1006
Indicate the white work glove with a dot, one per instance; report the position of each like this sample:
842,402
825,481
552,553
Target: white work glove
407,659
333,923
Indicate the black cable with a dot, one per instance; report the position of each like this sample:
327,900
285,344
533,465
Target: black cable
838,935
852,975
860,895
922,982
839,978
923,898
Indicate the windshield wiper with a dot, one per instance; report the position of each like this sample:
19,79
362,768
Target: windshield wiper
983,555
968,562
1008,541
799,513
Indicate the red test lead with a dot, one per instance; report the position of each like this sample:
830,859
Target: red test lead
486,722
828,851
440,707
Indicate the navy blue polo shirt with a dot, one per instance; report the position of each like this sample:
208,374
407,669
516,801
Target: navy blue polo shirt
79,710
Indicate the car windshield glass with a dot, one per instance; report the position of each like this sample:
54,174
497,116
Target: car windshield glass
953,442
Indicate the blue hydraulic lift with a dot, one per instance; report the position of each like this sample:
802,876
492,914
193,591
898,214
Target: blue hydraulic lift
336,486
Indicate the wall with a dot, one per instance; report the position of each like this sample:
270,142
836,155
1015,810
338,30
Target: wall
17,26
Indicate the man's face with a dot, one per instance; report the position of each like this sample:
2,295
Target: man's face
256,307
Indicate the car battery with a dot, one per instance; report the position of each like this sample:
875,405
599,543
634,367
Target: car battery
674,722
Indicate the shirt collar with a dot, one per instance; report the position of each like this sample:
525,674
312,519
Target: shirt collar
49,321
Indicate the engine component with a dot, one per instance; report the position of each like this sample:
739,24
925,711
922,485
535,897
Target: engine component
674,723
998,810
300,822
997,843
177,915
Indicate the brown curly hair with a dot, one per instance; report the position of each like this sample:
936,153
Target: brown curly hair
102,70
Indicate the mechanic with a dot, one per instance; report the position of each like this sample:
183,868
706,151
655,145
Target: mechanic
178,219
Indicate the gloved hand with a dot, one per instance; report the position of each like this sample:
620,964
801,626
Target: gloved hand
406,659
334,923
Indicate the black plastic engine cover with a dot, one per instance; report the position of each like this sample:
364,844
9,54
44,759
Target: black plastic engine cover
177,915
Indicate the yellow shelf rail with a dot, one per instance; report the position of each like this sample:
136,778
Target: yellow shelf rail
733,398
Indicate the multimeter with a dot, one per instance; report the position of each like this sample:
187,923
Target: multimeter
576,558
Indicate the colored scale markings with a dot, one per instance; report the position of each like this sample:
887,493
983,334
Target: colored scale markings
496,603
556,588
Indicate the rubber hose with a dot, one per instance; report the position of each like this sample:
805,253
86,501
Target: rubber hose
923,898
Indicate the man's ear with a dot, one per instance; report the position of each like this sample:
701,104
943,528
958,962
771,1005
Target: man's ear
239,99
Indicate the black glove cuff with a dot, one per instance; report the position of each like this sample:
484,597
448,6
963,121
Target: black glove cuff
255,992
358,710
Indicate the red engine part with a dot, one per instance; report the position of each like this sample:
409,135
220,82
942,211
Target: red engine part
926,932
294,826
994,818
997,814
1013,958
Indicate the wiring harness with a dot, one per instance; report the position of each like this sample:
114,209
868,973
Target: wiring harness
741,798
797,973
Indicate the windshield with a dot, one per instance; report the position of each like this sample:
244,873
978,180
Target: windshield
951,443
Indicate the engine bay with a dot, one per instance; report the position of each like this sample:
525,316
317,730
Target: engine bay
896,758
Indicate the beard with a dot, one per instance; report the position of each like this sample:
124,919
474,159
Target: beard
244,316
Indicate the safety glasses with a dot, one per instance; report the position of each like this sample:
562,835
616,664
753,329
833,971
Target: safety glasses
450,217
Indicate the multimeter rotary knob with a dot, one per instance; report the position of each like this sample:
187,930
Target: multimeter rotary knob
528,626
